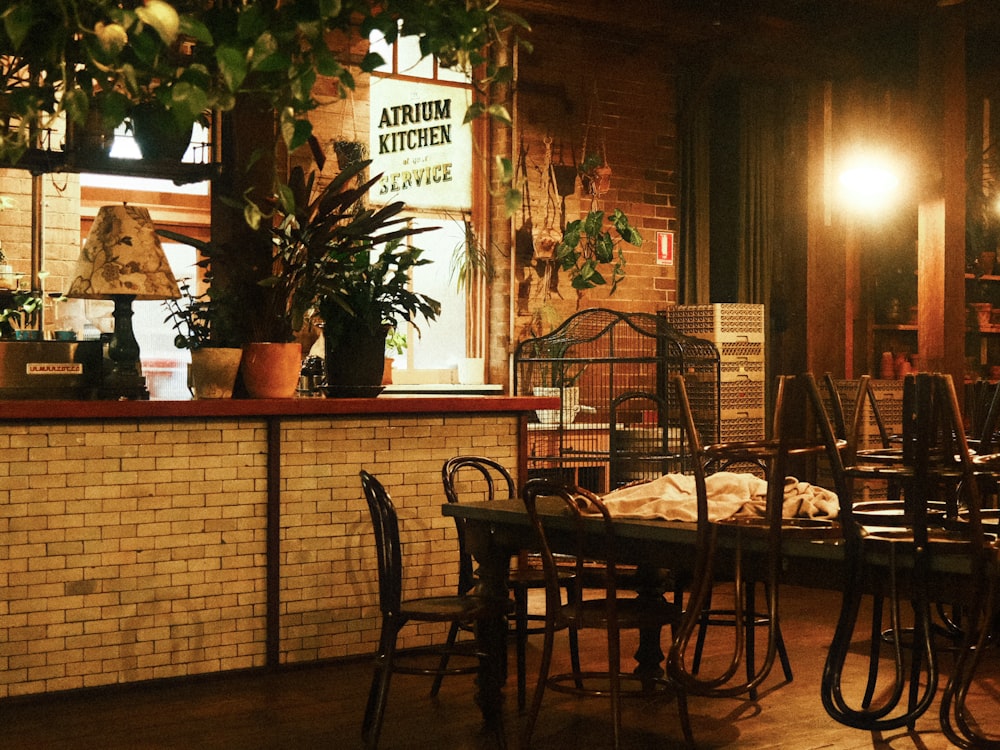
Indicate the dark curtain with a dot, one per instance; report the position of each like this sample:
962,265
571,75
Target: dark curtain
751,177
759,163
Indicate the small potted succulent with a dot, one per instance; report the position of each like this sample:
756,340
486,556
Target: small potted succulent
213,369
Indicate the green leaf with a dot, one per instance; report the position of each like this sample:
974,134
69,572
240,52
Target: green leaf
233,66
593,223
76,103
327,63
193,27
187,101
330,8
251,23
476,109
286,196
571,235
506,168
372,61
272,62
252,215
17,22
263,47
161,16
500,113
604,248
511,202
299,135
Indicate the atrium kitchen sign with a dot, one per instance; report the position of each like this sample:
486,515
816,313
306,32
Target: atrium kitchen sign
419,144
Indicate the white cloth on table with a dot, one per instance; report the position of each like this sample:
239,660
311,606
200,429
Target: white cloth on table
672,497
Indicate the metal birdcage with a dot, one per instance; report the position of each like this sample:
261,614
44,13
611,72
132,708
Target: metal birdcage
619,420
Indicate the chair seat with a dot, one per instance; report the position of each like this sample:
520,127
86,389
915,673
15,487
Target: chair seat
449,608
534,578
633,613
816,528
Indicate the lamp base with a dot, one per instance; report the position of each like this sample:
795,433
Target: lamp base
122,387
125,380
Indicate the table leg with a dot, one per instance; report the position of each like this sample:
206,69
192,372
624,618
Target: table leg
649,655
491,636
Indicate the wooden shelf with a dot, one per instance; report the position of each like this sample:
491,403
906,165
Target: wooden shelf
38,161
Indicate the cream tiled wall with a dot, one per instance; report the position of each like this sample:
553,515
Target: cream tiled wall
137,550
328,599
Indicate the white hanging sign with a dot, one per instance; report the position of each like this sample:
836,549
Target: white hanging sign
419,144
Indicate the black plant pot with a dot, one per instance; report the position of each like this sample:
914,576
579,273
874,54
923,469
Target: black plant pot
354,362
158,134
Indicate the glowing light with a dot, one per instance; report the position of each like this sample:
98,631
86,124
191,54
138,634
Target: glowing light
870,183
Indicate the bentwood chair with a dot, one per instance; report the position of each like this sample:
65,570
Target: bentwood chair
467,477
935,460
801,432
396,612
604,609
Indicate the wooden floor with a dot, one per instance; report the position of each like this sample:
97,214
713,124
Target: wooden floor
321,706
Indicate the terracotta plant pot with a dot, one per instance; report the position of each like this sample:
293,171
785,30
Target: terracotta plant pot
271,370
212,372
598,182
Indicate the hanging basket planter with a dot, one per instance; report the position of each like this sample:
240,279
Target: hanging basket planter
349,153
597,181
545,241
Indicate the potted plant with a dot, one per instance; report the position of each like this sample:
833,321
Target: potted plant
595,174
213,369
19,314
559,377
587,246
347,262
189,58
395,344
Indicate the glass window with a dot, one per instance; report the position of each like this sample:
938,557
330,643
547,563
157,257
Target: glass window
434,347
425,154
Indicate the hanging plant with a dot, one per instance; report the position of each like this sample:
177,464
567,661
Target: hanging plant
471,258
595,174
349,153
547,236
586,247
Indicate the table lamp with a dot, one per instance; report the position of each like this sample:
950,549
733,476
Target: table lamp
123,260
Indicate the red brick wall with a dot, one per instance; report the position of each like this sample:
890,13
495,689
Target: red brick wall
627,86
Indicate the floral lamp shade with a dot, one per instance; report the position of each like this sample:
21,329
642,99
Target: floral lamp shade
123,260
123,256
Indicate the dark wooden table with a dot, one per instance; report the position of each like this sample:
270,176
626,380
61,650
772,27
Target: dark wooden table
498,530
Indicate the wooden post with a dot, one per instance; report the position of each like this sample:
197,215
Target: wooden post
941,212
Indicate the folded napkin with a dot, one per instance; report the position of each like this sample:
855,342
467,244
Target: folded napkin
672,497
